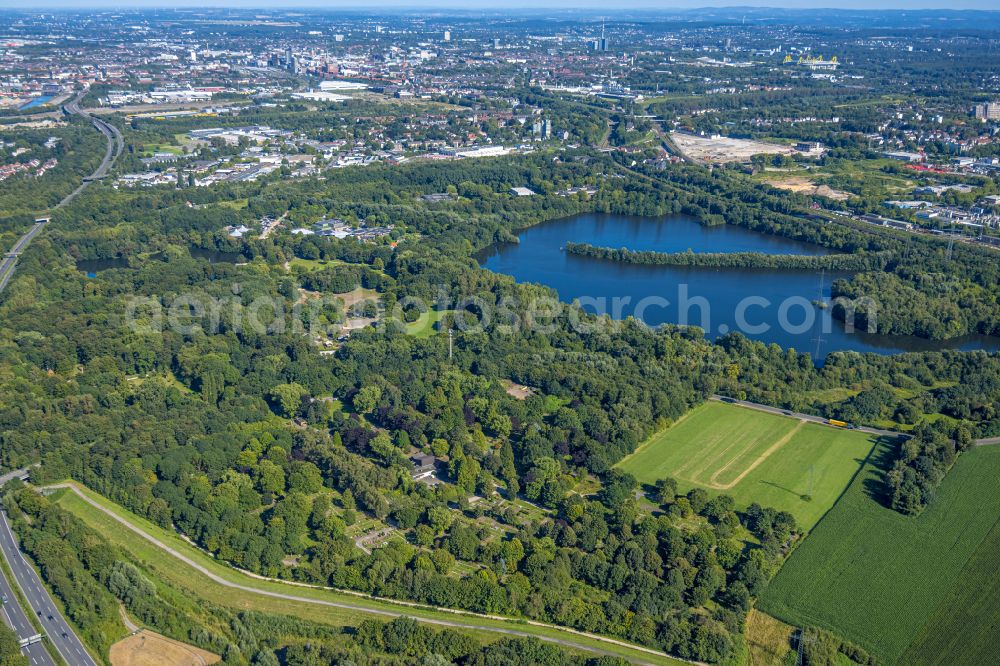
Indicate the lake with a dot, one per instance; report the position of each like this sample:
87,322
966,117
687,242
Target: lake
38,101
216,256
772,305
94,266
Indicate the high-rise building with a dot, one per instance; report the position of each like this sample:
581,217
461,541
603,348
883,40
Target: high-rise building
496,42
447,35
988,111
547,129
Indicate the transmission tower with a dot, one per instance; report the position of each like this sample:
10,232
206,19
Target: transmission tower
819,320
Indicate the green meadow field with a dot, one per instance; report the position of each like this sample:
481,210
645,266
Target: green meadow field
754,456
911,590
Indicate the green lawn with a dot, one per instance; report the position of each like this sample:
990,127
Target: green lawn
151,148
424,326
174,572
309,265
892,583
774,460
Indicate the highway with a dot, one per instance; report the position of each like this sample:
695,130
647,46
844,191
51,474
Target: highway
17,619
54,626
116,144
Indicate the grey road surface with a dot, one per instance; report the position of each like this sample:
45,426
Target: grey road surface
115,146
54,625
16,618
804,417
986,441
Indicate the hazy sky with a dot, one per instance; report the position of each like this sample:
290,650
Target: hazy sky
500,4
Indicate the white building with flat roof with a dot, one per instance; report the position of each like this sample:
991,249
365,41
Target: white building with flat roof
342,85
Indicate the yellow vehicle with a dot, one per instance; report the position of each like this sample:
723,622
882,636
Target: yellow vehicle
835,422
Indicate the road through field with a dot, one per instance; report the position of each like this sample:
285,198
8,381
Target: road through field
360,607
803,417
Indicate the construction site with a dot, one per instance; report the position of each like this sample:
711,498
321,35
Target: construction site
716,149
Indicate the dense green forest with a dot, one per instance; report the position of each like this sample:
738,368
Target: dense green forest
837,262
272,456
25,195
91,578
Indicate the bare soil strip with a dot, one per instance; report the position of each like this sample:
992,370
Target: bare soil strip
761,458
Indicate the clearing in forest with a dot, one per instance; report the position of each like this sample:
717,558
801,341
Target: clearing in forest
754,456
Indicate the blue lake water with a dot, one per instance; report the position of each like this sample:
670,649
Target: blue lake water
772,305
38,101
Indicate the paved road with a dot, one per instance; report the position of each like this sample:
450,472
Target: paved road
16,474
10,259
986,441
367,609
17,619
804,417
116,145
54,625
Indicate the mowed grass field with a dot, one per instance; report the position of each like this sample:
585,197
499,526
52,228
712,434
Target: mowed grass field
754,456
911,590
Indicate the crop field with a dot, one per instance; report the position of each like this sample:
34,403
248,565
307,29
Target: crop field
148,648
774,460
909,589
966,625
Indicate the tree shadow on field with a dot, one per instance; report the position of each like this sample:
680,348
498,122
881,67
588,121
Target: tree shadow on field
781,487
881,457
648,489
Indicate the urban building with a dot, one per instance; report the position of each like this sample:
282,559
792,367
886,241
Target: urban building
987,111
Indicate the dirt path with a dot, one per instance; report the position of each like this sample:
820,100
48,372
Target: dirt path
761,458
126,620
